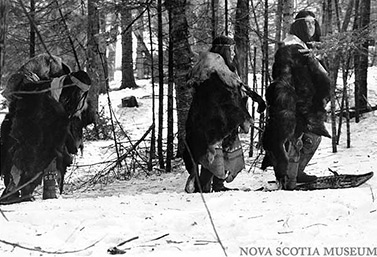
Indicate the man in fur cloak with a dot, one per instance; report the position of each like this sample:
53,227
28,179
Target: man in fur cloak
217,112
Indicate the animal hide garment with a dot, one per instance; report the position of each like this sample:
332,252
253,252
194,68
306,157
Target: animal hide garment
217,110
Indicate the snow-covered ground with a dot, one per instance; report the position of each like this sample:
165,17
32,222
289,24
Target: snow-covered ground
159,219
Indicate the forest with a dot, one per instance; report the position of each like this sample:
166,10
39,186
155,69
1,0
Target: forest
160,40
125,192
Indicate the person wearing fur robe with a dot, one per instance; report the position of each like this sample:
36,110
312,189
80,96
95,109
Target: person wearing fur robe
217,112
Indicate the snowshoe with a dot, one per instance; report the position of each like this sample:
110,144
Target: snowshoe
335,182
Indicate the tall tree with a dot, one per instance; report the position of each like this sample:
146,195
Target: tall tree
327,17
182,60
226,17
265,63
32,30
170,125
160,85
4,9
94,66
333,66
215,17
288,6
278,23
111,48
128,78
347,16
140,46
283,20
241,36
152,149
342,55
362,22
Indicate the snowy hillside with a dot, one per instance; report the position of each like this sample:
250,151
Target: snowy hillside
153,216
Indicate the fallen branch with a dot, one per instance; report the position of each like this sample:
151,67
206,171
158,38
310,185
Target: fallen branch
204,242
158,238
38,249
121,158
128,240
115,250
113,164
316,224
372,194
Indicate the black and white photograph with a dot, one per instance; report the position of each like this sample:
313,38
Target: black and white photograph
183,128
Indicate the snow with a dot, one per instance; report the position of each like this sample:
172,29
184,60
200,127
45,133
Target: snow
160,219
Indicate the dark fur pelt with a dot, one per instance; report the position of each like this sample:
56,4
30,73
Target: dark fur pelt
281,125
39,128
295,101
216,111
5,143
42,126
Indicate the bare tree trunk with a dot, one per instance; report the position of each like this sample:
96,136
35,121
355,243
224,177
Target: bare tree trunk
170,135
251,150
362,20
333,74
182,60
143,57
356,26
32,30
287,16
94,66
160,86
345,67
103,56
278,23
111,48
215,17
128,78
265,74
333,70
337,15
256,22
327,14
241,36
347,16
140,48
347,117
345,103
111,60
152,149
140,74
226,17
4,9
